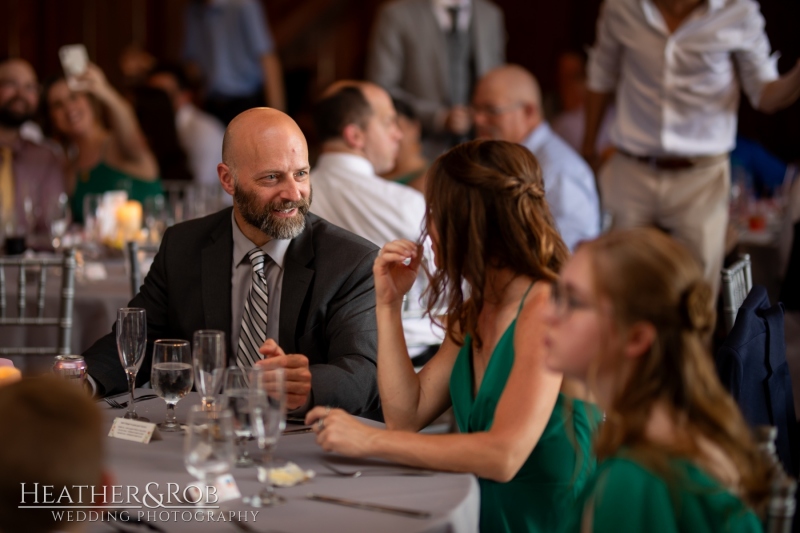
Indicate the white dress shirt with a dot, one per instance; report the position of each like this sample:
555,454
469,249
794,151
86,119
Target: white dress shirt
440,9
200,135
569,186
348,193
678,93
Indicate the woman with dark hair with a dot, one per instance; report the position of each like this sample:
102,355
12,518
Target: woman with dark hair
629,318
101,158
496,253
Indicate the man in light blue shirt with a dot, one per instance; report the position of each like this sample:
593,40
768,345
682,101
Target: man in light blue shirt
507,107
229,42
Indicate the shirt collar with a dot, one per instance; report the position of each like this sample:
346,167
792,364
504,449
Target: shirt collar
354,163
274,248
537,137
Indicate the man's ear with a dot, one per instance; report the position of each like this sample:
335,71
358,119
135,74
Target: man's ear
639,338
226,178
531,111
353,136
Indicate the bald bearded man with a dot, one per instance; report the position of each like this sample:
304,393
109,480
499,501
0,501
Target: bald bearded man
507,106
317,303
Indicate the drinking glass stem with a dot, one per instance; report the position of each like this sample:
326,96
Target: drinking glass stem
171,419
131,387
207,403
268,489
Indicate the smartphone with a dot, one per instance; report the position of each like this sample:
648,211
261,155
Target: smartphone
74,60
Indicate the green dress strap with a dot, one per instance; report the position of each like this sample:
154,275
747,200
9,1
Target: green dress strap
544,490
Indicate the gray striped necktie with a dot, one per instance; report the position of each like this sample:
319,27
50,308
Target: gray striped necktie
254,319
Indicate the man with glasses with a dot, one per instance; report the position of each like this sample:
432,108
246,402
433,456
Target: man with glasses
31,175
506,106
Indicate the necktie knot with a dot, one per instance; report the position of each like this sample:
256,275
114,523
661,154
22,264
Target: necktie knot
257,258
453,10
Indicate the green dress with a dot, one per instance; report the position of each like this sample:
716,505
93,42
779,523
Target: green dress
546,487
624,496
103,178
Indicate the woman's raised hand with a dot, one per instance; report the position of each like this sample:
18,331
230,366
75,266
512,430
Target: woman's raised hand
95,82
395,271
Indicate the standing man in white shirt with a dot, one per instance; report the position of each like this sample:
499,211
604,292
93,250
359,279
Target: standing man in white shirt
507,106
199,133
357,125
677,67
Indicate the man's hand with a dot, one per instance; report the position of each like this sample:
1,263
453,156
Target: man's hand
459,120
296,372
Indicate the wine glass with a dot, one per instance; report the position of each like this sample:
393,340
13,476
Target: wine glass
208,446
131,344
60,219
209,363
236,397
171,376
268,420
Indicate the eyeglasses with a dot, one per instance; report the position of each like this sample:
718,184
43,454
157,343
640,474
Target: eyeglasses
494,111
566,302
7,83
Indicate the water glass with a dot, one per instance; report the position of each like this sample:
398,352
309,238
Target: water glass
171,376
131,344
209,363
208,445
268,420
236,397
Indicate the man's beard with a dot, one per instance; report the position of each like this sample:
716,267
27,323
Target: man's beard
13,119
264,219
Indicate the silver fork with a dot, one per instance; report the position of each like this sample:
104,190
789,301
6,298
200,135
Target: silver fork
342,473
389,471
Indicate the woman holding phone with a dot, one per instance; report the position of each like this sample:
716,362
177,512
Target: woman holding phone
102,157
629,318
496,252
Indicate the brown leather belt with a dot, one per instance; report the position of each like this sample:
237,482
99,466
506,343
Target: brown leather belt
663,163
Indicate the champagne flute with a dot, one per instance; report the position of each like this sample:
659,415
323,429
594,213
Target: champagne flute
209,363
268,420
131,344
236,397
171,376
208,446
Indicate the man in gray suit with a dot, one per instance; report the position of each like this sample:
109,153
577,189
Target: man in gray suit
288,288
430,53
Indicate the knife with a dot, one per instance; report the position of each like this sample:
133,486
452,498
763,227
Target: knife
369,506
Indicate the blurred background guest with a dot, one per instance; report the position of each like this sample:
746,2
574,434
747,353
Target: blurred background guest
357,125
199,133
518,427
430,53
57,439
157,119
629,318
229,43
678,68
410,164
507,105
101,158
31,175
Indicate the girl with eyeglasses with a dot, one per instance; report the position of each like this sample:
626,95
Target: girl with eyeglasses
629,318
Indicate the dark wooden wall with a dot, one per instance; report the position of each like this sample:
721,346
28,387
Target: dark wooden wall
322,40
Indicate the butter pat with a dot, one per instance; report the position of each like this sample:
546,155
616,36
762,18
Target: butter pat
286,476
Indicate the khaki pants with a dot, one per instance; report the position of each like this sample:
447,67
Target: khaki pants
691,204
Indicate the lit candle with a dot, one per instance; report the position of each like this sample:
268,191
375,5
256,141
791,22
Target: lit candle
9,375
129,218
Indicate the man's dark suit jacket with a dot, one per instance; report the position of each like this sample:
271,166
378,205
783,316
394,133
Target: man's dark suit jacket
327,306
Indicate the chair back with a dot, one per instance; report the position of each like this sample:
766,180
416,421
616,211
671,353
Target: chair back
34,271
138,265
736,284
752,366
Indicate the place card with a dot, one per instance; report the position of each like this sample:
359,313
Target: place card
134,430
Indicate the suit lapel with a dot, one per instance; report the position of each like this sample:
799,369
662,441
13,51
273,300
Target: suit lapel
216,279
297,278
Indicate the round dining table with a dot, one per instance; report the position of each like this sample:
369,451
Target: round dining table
451,501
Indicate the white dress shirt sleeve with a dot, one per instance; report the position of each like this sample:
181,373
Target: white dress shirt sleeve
756,67
574,209
606,55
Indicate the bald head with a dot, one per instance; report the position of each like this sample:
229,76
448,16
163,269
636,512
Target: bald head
19,93
507,104
257,123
